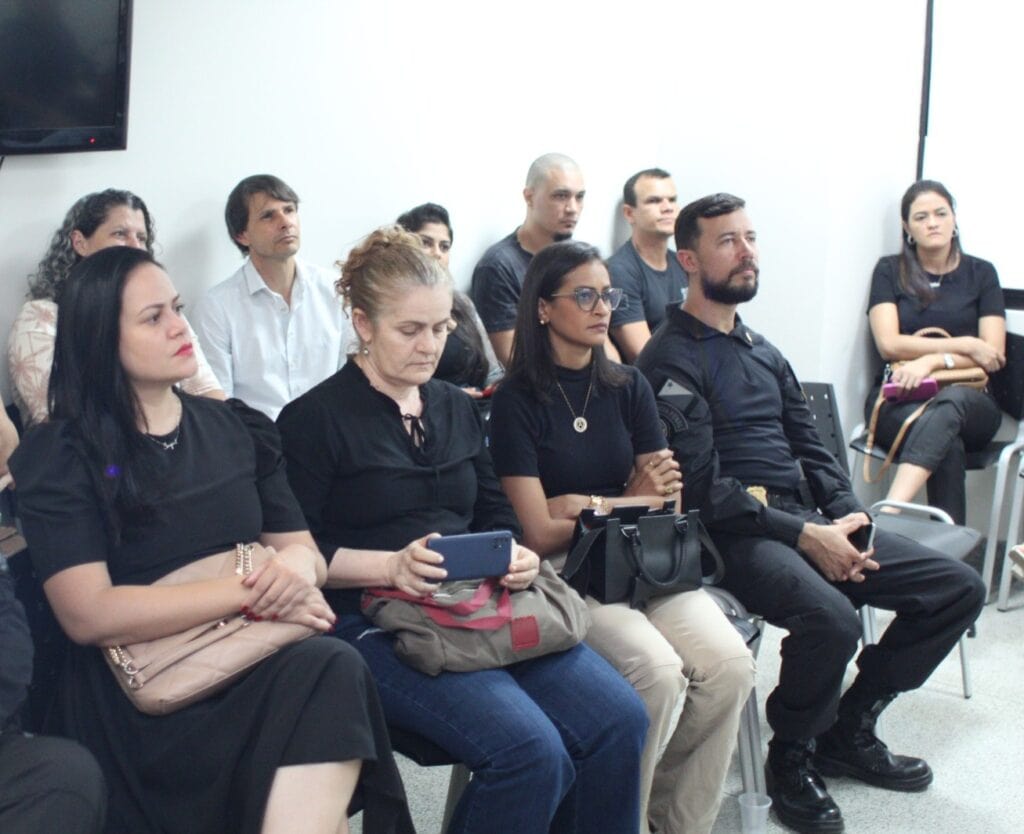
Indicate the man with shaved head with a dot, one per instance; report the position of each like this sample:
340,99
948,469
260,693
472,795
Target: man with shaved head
554,195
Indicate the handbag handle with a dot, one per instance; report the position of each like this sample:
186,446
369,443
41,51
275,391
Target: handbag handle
693,534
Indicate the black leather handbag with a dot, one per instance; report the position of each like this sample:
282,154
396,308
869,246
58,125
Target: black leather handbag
634,554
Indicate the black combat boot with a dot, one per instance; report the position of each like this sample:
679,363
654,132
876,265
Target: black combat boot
799,797
851,748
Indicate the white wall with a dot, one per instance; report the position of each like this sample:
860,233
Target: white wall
973,142
807,109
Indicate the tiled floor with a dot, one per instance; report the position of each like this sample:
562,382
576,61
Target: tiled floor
975,747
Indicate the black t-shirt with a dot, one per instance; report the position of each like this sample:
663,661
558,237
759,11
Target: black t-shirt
498,282
363,483
964,295
536,439
648,291
223,483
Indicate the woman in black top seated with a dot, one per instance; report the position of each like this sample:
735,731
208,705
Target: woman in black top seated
380,456
468,359
132,479
933,283
571,430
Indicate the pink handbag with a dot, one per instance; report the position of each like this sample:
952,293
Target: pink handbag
163,675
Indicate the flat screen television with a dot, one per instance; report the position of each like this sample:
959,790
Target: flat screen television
64,75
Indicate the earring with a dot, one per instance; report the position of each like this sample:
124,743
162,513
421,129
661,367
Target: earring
956,231
365,350
910,240
542,322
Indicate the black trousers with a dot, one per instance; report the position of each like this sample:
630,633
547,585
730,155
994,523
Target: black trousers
935,599
959,420
49,784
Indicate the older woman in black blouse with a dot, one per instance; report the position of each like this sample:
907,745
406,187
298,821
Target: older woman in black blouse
381,456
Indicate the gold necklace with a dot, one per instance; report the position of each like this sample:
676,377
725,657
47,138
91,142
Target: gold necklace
579,423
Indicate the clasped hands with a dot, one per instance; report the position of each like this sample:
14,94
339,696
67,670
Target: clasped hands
284,589
417,570
829,548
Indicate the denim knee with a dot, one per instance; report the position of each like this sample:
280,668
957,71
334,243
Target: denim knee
539,758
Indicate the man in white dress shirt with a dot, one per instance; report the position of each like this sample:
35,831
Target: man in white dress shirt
276,327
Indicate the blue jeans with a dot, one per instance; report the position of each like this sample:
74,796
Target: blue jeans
553,743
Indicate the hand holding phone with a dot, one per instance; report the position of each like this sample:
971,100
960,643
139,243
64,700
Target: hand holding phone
894,392
474,555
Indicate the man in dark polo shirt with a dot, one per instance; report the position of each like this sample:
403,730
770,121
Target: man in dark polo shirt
554,195
744,434
644,267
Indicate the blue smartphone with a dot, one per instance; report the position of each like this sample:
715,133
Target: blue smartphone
474,555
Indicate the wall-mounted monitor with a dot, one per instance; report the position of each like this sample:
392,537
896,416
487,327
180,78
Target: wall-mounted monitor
64,75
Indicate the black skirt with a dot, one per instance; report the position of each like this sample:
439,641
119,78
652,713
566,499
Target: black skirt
208,768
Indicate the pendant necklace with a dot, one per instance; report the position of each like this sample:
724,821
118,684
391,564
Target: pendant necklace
168,445
579,423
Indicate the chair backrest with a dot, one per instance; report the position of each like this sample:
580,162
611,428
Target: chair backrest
821,399
1008,384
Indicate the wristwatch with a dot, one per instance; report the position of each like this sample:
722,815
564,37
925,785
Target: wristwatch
947,360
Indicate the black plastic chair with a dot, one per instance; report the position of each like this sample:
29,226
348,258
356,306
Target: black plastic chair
999,453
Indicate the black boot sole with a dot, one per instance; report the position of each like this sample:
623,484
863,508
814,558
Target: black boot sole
836,767
805,827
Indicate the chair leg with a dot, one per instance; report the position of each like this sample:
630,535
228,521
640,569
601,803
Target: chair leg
1002,477
869,628
456,785
749,747
1012,536
965,667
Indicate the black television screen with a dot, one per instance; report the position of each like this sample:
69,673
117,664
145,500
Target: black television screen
64,75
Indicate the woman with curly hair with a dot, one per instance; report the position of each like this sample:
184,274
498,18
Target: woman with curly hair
96,221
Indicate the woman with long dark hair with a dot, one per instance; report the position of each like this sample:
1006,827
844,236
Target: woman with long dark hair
934,283
382,455
96,221
132,479
468,359
571,430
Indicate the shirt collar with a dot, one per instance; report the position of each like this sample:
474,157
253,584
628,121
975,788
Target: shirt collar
254,283
696,329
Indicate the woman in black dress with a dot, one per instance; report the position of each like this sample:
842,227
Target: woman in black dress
934,283
132,479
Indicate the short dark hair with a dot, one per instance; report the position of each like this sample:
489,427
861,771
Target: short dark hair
416,218
629,189
714,205
91,390
236,212
533,358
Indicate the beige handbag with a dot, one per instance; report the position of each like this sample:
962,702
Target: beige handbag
163,675
970,377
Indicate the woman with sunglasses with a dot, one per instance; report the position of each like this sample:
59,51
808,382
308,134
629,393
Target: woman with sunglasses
570,430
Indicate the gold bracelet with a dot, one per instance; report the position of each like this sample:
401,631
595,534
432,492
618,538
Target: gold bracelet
597,503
